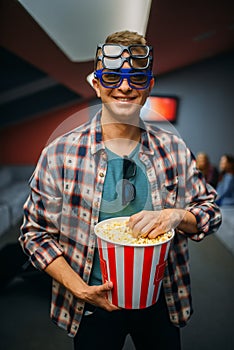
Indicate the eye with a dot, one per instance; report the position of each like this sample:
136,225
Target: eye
110,78
138,79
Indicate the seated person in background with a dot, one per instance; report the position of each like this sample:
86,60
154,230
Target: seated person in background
225,187
209,171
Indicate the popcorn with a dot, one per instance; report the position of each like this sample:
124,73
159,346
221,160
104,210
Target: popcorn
119,232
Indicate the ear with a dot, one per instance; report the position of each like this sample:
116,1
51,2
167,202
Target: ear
96,84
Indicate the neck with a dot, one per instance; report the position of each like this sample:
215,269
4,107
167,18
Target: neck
121,138
115,130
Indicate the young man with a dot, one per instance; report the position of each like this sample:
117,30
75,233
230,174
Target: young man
83,177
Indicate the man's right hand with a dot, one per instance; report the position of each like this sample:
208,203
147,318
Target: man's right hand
62,272
97,295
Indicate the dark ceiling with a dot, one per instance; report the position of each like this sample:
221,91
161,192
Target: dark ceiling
36,75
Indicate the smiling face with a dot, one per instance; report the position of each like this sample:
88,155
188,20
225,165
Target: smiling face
123,102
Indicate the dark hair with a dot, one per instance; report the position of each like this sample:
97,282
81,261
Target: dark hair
230,161
229,157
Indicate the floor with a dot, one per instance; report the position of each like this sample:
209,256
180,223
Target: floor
24,305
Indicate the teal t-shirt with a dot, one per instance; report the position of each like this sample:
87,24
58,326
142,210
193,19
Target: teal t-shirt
111,205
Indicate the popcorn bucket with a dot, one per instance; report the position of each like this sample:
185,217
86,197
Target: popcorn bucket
136,270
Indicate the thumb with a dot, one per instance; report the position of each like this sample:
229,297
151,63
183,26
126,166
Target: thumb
108,285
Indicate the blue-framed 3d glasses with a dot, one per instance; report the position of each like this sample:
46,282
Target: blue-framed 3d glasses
111,55
113,79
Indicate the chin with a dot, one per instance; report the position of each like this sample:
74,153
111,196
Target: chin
123,111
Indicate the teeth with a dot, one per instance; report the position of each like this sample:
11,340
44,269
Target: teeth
124,99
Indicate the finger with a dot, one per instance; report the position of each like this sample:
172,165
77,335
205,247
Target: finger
105,303
133,225
109,285
114,307
105,287
149,225
157,232
136,230
143,227
134,219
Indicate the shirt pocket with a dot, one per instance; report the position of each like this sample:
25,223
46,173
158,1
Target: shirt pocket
169,193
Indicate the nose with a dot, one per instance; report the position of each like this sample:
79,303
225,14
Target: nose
124,85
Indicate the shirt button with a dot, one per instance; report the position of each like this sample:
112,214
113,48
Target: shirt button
101,174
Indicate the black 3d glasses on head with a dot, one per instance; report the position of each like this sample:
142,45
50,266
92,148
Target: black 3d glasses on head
113,79
128,189
111,56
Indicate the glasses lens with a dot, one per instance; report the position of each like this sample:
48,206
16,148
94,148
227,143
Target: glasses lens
112,50
112,63
128,189
139,63
128,192
139,51
117,62
111,78
139,79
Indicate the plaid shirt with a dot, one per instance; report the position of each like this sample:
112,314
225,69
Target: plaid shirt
63,208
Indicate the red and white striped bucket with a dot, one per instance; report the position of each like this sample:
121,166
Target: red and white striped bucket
135,270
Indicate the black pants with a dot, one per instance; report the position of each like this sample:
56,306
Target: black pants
149,328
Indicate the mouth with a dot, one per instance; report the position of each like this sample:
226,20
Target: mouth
124,99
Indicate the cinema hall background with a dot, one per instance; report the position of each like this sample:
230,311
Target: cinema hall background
44,92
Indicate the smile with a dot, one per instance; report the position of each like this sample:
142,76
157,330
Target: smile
124,99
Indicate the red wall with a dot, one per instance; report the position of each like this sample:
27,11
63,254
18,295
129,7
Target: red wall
23,143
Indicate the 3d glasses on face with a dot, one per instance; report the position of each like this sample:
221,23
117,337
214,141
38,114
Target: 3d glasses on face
140,56
113,79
